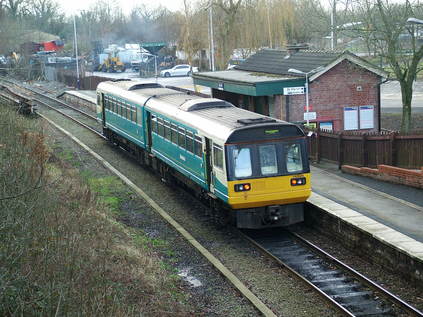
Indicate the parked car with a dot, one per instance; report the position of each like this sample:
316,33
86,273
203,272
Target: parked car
179,70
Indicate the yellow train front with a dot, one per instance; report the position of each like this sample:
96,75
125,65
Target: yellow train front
267,174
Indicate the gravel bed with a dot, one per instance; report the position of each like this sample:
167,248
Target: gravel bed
283,293
412,294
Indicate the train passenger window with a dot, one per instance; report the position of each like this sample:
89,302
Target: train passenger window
190,142
154,124
268,161
293,159
126,112
217,156
134,114
181,137
174,133
167,130
242,162
161,126
198,146
139,115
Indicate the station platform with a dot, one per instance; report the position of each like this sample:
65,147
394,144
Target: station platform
86,98
390,213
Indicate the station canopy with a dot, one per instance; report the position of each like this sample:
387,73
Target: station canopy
153,47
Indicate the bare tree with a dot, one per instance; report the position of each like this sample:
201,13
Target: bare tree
387,32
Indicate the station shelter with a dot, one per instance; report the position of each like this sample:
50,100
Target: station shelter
343,93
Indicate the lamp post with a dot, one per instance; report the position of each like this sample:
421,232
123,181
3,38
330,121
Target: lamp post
297,71
212,67
76,53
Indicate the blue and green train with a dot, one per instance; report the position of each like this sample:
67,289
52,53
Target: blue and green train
254,168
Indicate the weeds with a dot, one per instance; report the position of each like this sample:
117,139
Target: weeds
61,253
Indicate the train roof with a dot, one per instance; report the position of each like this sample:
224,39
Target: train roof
214,117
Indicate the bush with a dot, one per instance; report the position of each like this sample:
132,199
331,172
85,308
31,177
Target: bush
61,253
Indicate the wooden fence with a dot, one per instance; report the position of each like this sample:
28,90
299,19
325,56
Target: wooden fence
368,149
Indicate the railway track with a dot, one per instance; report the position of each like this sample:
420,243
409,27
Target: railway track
40,98
349,291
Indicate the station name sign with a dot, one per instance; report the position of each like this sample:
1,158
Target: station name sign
294,91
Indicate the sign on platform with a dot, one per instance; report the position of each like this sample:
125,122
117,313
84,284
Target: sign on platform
294,91
310,115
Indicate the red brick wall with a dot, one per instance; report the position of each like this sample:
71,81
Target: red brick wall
390,174
336,89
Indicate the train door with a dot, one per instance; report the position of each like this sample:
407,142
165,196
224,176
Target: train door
147,132
218,175
101,112
208,167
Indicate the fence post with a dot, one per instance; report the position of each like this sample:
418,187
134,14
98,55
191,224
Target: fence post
340,150
392,157
363,148
318,149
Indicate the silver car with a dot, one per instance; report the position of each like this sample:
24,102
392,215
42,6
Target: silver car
179,70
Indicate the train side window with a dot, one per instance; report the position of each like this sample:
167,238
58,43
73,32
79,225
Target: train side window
268,161
190,141
174,136
128,111
161,126
167,130
217,156
154,124
181,137
198,146
134,113
106,102
242,162
125,110
293,159
139,115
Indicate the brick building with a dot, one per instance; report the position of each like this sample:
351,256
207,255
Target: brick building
343,93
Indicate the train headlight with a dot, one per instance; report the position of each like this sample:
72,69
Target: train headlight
298,181
242,187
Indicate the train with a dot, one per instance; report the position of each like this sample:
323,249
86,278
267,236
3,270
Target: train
250,168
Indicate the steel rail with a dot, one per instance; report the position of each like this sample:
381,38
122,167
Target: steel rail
51,98
393,298
340,265
326,297
218,265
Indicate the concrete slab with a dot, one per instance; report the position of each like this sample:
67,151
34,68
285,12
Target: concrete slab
379,207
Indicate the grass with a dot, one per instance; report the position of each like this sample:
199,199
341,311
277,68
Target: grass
62,251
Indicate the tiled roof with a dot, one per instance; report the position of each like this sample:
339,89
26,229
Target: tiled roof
278,62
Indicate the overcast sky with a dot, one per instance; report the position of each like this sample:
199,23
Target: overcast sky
73,6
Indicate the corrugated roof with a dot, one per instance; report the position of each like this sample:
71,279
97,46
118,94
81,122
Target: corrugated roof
278,62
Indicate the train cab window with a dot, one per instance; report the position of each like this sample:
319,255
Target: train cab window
293,159
198,146
217,156
167,133
133,114
268,161
242,162
181,137
154,124
190,142
160,126
174,133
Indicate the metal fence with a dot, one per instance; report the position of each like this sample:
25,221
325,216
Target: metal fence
367,149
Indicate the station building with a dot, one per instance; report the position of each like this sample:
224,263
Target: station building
344,89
